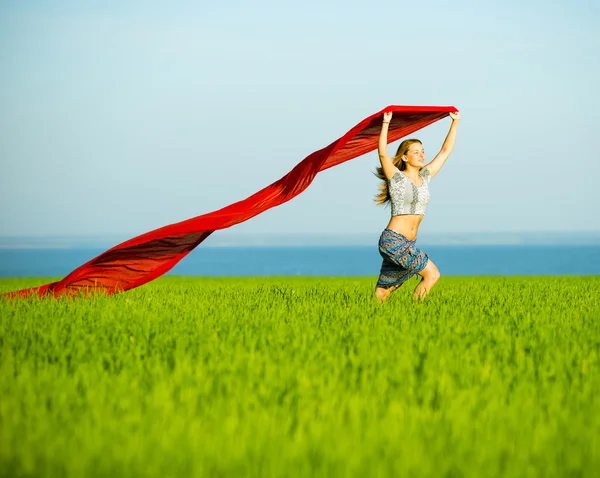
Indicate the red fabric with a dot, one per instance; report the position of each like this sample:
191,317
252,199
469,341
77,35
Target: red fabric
148,256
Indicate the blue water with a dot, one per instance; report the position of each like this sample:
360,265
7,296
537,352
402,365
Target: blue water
327,260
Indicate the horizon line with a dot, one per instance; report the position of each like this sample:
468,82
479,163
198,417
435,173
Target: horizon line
313,239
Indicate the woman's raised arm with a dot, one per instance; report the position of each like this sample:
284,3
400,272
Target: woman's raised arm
439,160
386,162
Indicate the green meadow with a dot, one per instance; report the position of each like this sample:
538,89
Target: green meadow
286,377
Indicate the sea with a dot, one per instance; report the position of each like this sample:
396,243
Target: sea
327,260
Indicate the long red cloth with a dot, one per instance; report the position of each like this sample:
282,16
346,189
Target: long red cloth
148,256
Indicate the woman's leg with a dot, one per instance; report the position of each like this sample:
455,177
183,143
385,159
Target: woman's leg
382,294
429,276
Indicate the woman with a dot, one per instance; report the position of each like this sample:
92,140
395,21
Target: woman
405,184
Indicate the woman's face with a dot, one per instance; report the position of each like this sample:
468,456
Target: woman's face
415,156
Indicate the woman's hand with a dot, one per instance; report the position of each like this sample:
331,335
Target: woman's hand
455,116
387,117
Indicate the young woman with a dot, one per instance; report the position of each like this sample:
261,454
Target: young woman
405,184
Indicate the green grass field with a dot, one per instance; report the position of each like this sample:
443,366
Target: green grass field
304,377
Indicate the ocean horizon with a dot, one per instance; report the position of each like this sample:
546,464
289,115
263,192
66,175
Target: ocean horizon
230,238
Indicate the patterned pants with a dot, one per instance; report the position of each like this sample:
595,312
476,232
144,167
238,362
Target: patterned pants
401,259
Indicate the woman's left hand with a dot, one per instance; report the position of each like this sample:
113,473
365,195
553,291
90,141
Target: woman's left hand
455,116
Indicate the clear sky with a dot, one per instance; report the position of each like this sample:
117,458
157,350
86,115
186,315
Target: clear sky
120,117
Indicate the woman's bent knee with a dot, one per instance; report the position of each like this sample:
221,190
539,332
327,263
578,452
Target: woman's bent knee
430,273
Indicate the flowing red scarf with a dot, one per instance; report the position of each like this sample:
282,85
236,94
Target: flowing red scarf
148,256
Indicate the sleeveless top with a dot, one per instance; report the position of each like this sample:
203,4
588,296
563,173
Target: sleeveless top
405,197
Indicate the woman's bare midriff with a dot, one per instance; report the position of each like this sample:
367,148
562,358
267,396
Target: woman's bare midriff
406,224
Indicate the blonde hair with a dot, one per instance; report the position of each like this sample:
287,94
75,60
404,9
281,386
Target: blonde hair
384,193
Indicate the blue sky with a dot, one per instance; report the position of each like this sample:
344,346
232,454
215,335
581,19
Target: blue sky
120,118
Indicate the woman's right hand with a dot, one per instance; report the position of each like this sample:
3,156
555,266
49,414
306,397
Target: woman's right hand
387,116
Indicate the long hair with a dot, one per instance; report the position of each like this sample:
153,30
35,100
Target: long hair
384,193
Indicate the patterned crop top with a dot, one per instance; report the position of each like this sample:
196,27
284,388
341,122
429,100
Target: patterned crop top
406,198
